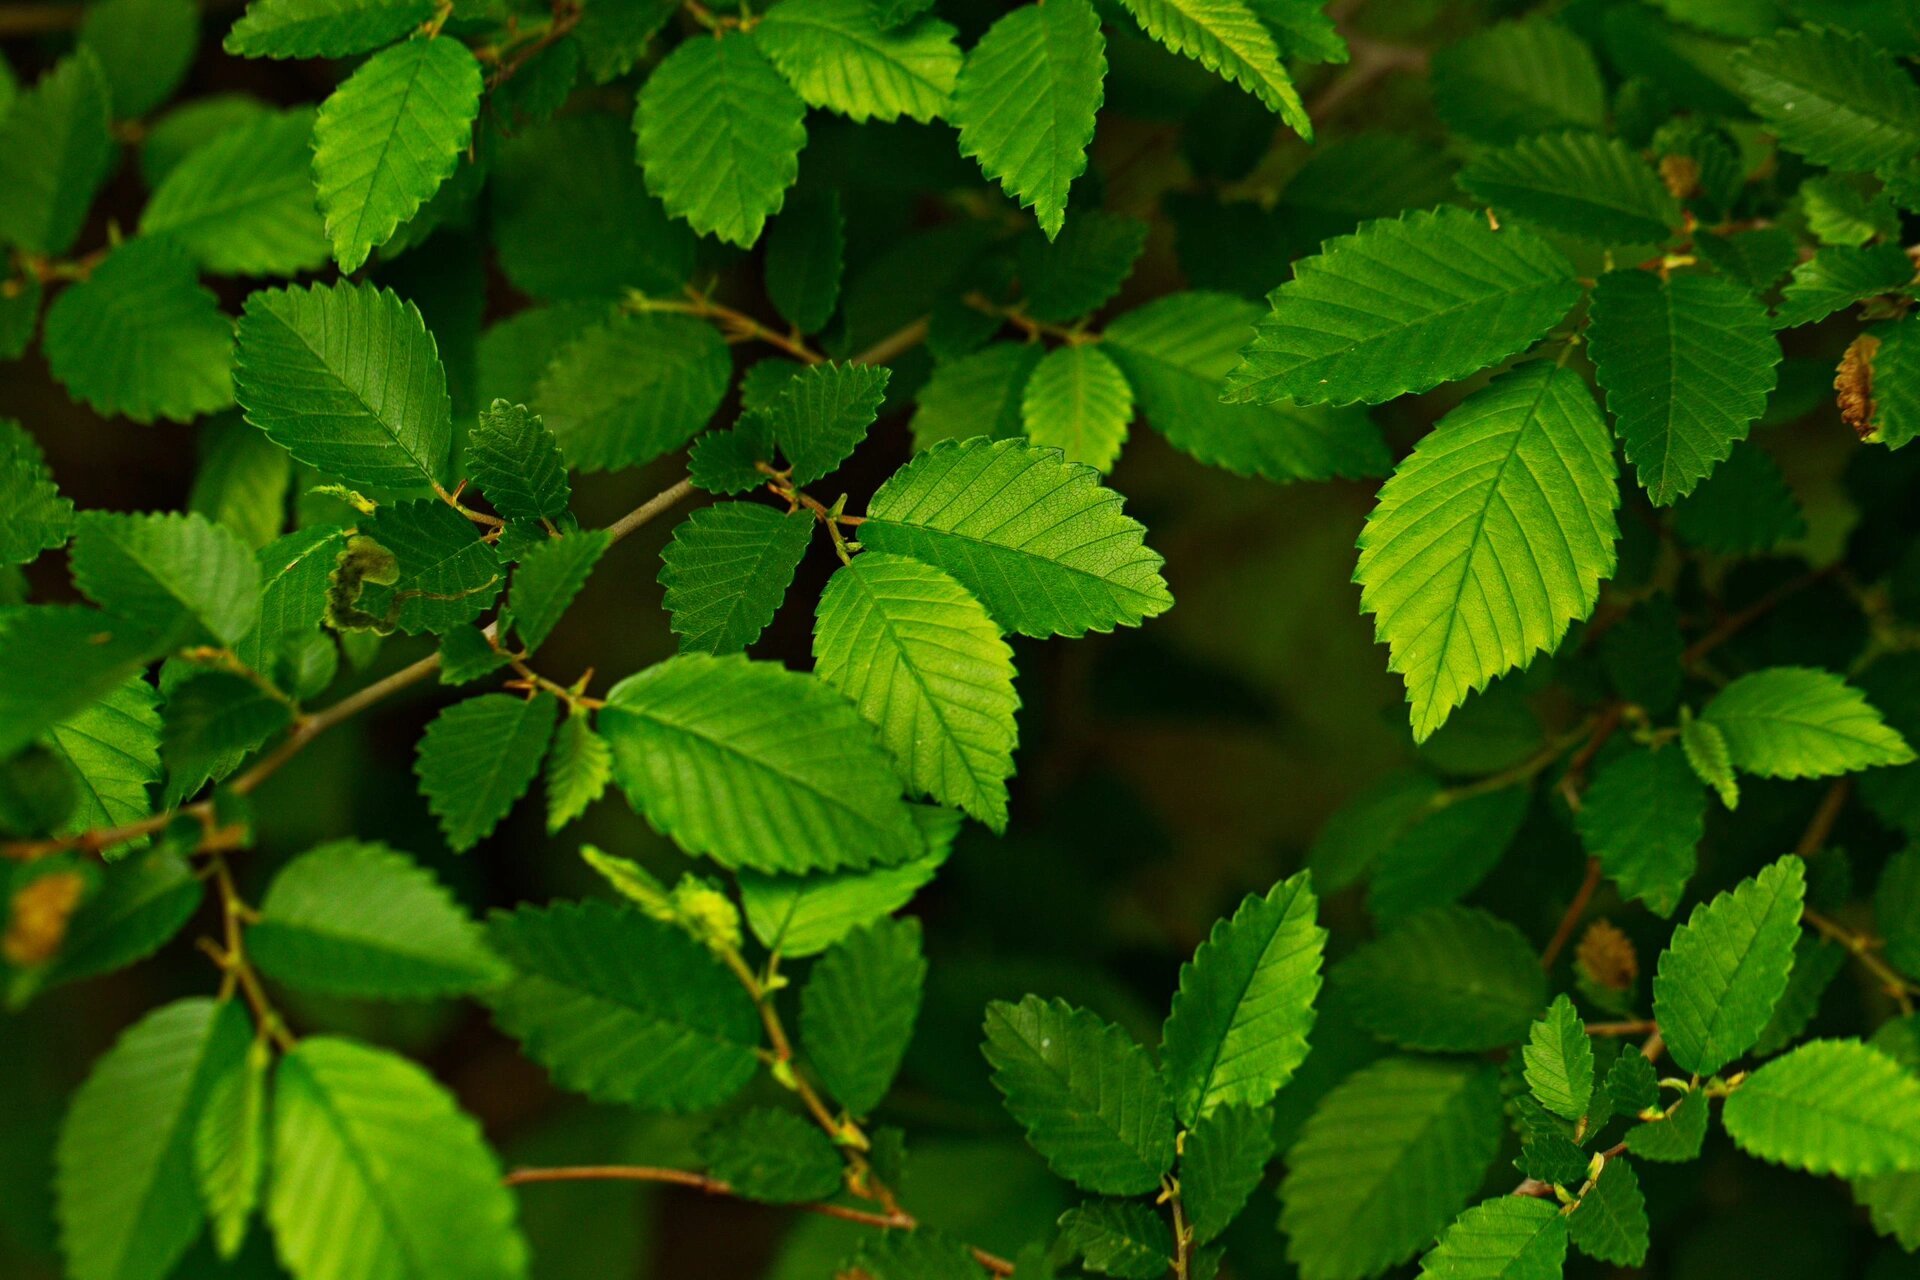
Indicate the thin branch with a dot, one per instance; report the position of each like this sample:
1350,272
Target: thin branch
1814,838
1734,623
1570,918
904,339
37,19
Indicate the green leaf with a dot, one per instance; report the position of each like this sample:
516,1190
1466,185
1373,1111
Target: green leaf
126,1199
920,658
1643,817
975,394
33,515
354,919
1830,1106
1896,385
1238,1027
1444,851
387,138
1836,98
823,413
1120,1238
756,766
1385,1161
1596,188
1743,508
858,1008
1687,364
323,28
1178,350
112,748
516,463
141,338
243,204
1559,1061
1081,270
55,152
639,386
230,1147
1509,1238
1610,1222
1371,821
921,1254
1677,1137
1228,38
1452,979
1491,538
1086,1094
445,576
1896,908
56,659
144,902
478,757
1816,963
1026,99
1839,276
1710,755
1222,1160
720,136
804,915
1725,969
242,480
377,1173
727,570
168,572
806,257
1078,401
777,1157
1037,539
1403,305
144,48
1632,1083
838,58
347,379
623,1008
213,720
579,766
548,578
1801,722
1516,79
728,462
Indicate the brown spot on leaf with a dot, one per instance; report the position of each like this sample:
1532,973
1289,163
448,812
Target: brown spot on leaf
1607,956
1681,174
1853,385
38,915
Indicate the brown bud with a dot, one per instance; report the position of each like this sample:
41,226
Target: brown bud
1853,385
1606,956
1681,173
37,918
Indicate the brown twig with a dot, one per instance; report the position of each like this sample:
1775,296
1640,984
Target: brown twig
1814,838
37,19
1734,623
1570,918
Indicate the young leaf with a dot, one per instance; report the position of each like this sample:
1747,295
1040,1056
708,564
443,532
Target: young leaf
622,1007
1086,1094
823,413
720,136
1725,969
516,463
1227,37
347,379
168,572
1516,79
1559,1061
323,28
804,915
727,570
838,57
1026,99
113,750
478,757
243,204
728,462
1177,350
1403,305
1643,816
1580,183
1834,97
1452,979
1610,1222
230,1147
1830,1106
858,1008
579,766
1838,277
1687,364
1711,757
756,766
55,151
625,392
1238,1027
1078,401
124,1186
1678,1136
1632,1083
354,919
1037,539
1800,722
372,1163
1508,1238
548,578
1460,600
1221,1161
774,1156
141,337
1385,1161
388,137
1120,1238
920,658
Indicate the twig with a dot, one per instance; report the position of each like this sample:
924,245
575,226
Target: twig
1570,918
1638,1027
1734,623
1814,838
903,339
37,19
1863,948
